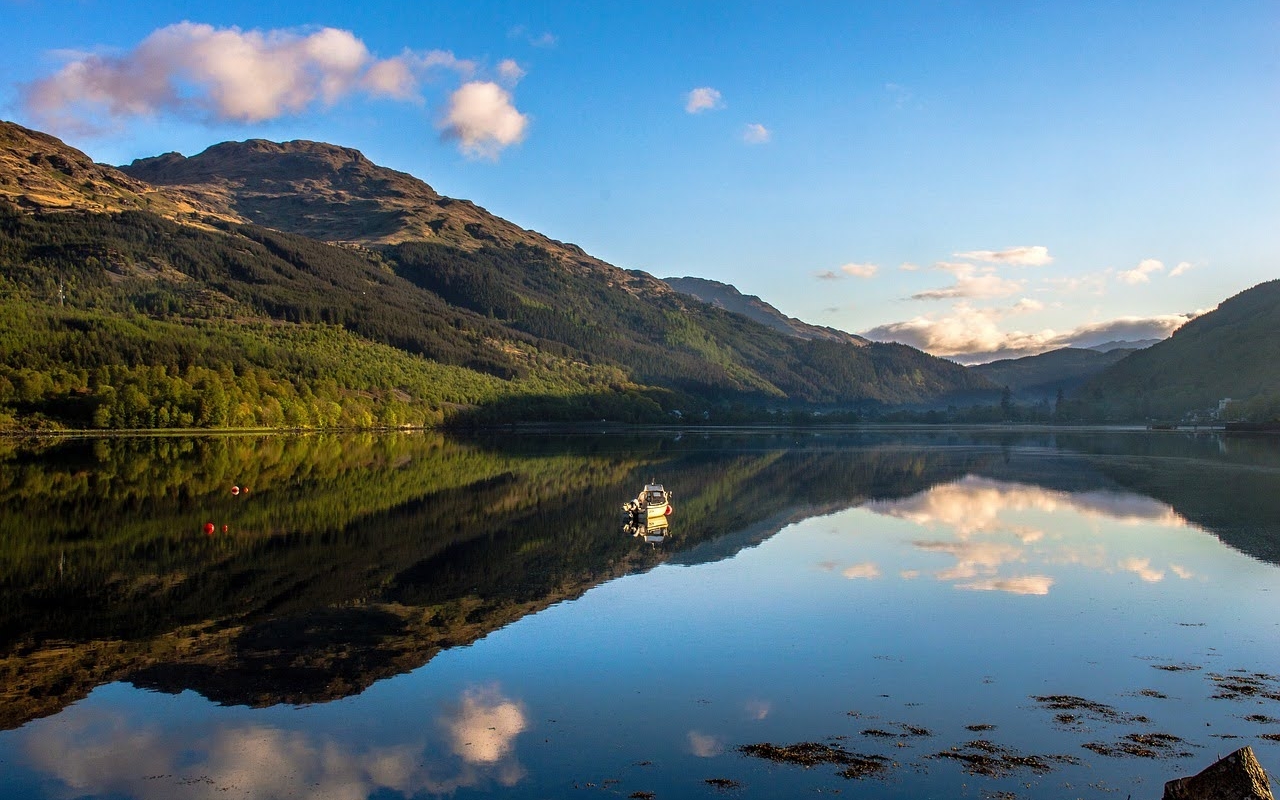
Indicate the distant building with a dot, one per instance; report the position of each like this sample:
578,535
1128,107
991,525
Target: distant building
1222,407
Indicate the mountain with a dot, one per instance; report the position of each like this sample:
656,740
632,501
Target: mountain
39,173
335,194
1120,344
727,296
1040,377
298,284
1230,352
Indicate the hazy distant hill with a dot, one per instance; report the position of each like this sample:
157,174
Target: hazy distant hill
1233,351
116,316
1120,344
1042,376
727,296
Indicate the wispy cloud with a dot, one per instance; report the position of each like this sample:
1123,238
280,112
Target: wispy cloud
1141,273
482,118
704,745
1031,256
1025,584
974,335
544,40
860,270
510,72
867,570
755,133
1182,269
900,95
200,72
704,98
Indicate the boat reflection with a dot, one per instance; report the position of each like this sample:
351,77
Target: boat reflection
649,514
653,531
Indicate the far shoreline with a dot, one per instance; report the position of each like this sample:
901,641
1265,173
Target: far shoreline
606,427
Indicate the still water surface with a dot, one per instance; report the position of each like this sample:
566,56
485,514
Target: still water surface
942,614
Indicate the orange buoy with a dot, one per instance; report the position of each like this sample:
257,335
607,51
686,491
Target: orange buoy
226,528
208,528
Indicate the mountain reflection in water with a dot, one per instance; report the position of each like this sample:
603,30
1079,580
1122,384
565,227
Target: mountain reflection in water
349,560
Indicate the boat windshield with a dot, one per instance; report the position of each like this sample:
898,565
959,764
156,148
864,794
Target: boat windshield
657,497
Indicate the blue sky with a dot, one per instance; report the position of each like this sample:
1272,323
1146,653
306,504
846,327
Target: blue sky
977,179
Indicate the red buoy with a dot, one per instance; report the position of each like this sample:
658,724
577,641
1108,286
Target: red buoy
668,511
235,490
208,528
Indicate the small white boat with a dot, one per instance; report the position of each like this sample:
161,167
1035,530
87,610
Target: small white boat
652,504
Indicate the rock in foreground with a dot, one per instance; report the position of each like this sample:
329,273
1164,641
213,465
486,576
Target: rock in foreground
1237,776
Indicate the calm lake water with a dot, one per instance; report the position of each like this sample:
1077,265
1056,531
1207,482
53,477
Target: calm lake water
913,614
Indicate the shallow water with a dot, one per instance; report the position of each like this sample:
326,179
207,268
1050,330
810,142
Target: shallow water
981,614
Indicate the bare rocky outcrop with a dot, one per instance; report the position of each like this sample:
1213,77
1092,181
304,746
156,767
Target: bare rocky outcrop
1237,776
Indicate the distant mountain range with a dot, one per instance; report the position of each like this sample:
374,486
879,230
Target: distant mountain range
1043,376
299,284
1136,344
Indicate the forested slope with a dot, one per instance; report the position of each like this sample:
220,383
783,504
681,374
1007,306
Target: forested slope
117,316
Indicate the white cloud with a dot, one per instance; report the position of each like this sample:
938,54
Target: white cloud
1141,273
1182,269
246,76
974,335
704,98
860,270
483,119
233,75
971,282
1027,256
907,266
392,77
1027,304
755,133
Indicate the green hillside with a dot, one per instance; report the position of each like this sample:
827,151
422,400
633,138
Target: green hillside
118,319
1231,352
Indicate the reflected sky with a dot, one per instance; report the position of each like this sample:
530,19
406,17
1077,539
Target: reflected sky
944,604
150,748
1013,537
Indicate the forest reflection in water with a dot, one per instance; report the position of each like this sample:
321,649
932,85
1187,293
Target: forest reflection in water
347,561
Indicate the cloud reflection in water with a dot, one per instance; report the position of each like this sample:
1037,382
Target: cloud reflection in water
998,527
96,752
